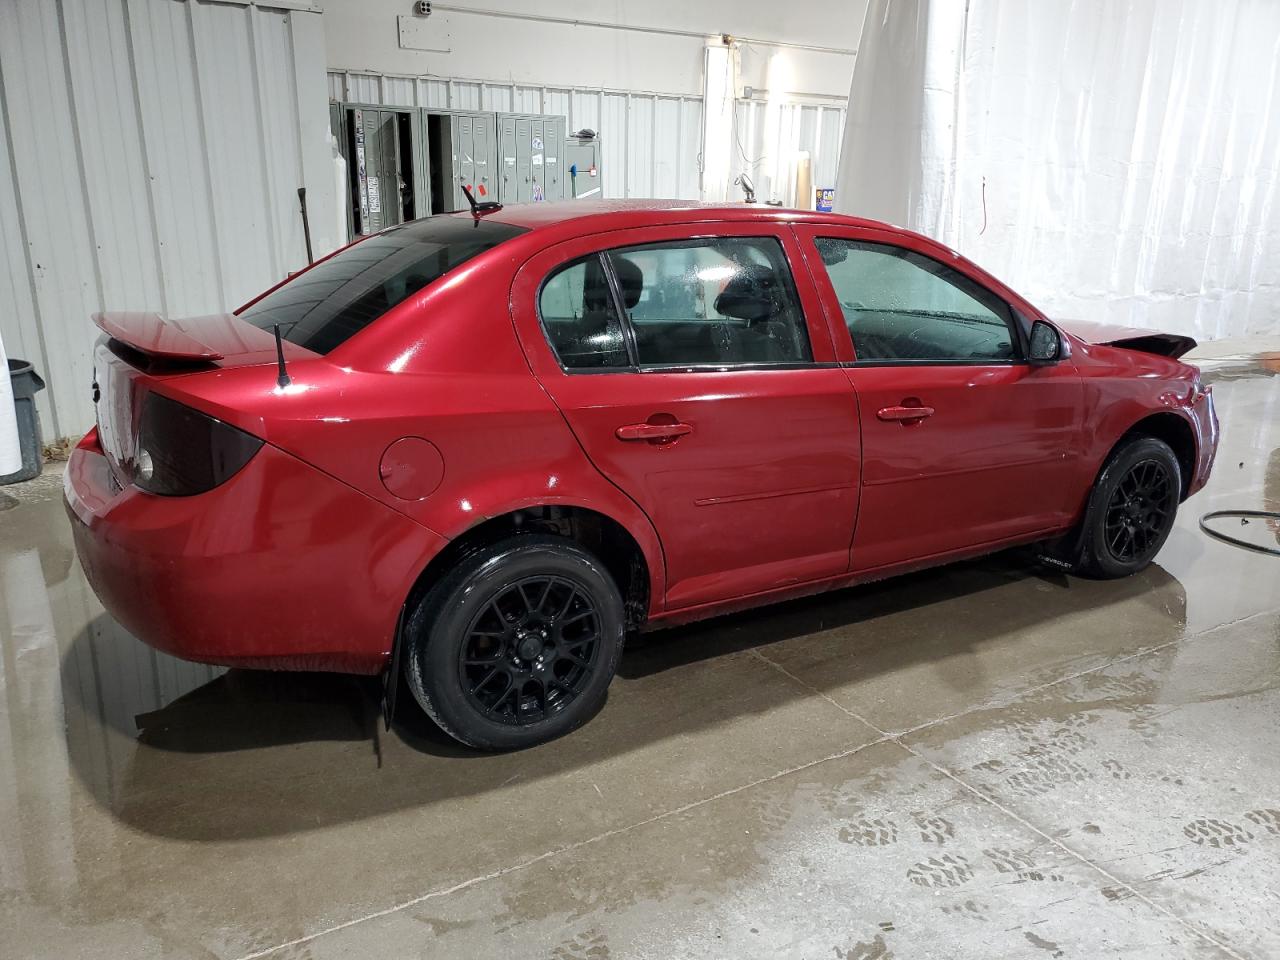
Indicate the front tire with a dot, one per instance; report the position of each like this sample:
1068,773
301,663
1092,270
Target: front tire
1131,509
516,645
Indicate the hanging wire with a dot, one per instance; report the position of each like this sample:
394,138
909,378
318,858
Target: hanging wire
984,207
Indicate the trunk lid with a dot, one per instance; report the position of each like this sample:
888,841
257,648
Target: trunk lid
143,349
1171,345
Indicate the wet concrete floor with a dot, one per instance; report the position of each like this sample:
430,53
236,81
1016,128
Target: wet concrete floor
982,761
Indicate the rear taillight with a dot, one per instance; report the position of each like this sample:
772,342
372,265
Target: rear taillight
182,451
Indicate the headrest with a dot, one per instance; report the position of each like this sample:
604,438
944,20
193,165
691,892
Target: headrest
630,280
753,294
595,287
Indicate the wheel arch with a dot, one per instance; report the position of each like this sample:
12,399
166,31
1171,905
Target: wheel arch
1174,430
636,570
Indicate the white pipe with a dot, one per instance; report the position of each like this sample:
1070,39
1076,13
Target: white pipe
638,28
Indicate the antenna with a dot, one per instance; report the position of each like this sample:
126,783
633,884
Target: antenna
283,380
480,209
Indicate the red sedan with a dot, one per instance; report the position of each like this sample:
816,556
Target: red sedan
480,448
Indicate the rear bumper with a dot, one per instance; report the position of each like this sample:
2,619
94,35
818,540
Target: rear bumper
1204,419
280,567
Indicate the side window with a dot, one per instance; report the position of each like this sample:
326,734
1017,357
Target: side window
728,301
902,306
580,319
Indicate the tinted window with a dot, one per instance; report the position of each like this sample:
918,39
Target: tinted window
716,301
341,296
901,306
579,316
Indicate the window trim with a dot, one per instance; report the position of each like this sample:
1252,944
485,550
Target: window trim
1012,318
737,367
620,308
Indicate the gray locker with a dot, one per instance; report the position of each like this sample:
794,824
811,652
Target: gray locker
382,170
462,152
524,161
386,164
537,159
553,157
506,158
482,156
530,158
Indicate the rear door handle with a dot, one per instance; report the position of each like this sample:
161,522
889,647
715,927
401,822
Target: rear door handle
653,431
904,414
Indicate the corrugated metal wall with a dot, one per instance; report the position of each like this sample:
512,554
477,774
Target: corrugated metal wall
770,134
150,156
652,141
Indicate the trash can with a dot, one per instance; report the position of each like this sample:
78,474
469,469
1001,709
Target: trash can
26,384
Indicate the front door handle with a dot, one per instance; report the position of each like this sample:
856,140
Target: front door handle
905,414
653,431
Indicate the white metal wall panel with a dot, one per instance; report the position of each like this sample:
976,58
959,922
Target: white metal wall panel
433,93
666,162
365,89
557,101
399,91
150,156
769,135
467,96
651,140
639,112
498,99
584,110
49,189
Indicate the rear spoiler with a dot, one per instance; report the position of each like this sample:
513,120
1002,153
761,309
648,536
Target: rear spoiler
1162,344
155,336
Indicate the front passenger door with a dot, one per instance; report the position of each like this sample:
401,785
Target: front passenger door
964,442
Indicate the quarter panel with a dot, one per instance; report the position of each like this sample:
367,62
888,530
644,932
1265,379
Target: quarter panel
201,577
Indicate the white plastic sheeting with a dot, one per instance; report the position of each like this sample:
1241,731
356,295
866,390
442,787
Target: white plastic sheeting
10,442
150,156
1114,162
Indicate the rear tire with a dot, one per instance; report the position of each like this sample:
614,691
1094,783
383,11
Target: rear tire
517,644
1131,510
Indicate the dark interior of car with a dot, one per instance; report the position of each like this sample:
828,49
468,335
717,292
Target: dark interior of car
757,320
920,335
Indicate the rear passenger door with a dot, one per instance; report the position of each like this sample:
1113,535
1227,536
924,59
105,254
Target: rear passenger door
700,378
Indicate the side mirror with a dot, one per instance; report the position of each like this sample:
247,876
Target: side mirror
1046,346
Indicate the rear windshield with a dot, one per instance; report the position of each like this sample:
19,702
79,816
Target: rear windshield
337,299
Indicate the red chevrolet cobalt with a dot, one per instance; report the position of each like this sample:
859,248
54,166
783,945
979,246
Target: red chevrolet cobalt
480,448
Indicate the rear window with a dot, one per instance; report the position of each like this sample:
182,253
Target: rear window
335,300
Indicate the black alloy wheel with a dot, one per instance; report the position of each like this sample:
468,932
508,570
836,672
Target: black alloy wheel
1131,509
517,643
1140,511
531,650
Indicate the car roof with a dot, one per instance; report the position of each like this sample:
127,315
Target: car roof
636,213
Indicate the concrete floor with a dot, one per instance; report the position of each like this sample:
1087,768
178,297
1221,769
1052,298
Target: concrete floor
980,761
